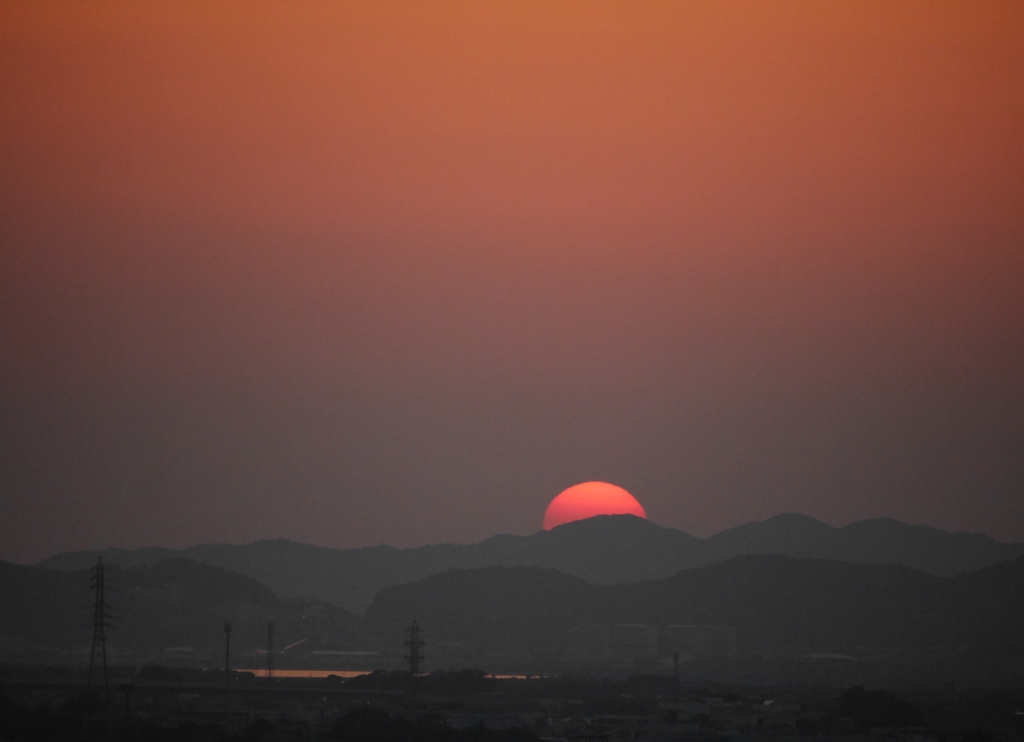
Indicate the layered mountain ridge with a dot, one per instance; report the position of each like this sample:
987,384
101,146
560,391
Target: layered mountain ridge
176,603
603,550
878,621
776,604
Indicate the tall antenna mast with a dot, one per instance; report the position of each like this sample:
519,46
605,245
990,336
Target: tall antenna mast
100,618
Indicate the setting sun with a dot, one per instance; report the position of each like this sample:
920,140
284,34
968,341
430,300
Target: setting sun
589,499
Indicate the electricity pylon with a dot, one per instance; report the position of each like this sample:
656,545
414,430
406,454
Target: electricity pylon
415,657
100,622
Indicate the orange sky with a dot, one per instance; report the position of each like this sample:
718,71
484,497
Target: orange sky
684,211
524,116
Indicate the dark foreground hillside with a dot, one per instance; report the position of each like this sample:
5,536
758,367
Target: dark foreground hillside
740,614
171,612
774,607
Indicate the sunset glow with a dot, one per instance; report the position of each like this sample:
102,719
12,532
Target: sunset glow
276,269
589,499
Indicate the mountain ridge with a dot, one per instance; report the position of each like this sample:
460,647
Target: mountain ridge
776,604
777,609
175,603
600,550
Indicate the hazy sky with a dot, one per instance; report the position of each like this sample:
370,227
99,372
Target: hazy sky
359,273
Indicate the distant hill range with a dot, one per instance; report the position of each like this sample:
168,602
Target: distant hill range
876,621
777,605
603,550
176,605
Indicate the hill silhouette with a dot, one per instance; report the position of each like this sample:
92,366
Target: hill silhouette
601,550
47,614
776,604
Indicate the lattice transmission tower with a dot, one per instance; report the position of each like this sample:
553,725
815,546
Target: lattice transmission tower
100,623
415,657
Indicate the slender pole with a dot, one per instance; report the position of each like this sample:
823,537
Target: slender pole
270,650
227,654
127,688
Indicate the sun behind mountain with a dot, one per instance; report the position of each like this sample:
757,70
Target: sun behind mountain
589,499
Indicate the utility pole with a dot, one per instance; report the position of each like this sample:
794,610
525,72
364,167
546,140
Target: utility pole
270,650
127,688
100,618
415,657
227,654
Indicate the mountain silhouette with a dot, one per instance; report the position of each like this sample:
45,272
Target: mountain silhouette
602,550
174,603
874,541
776,604
775,608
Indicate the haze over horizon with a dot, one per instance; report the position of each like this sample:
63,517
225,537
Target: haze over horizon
538,531
399,274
